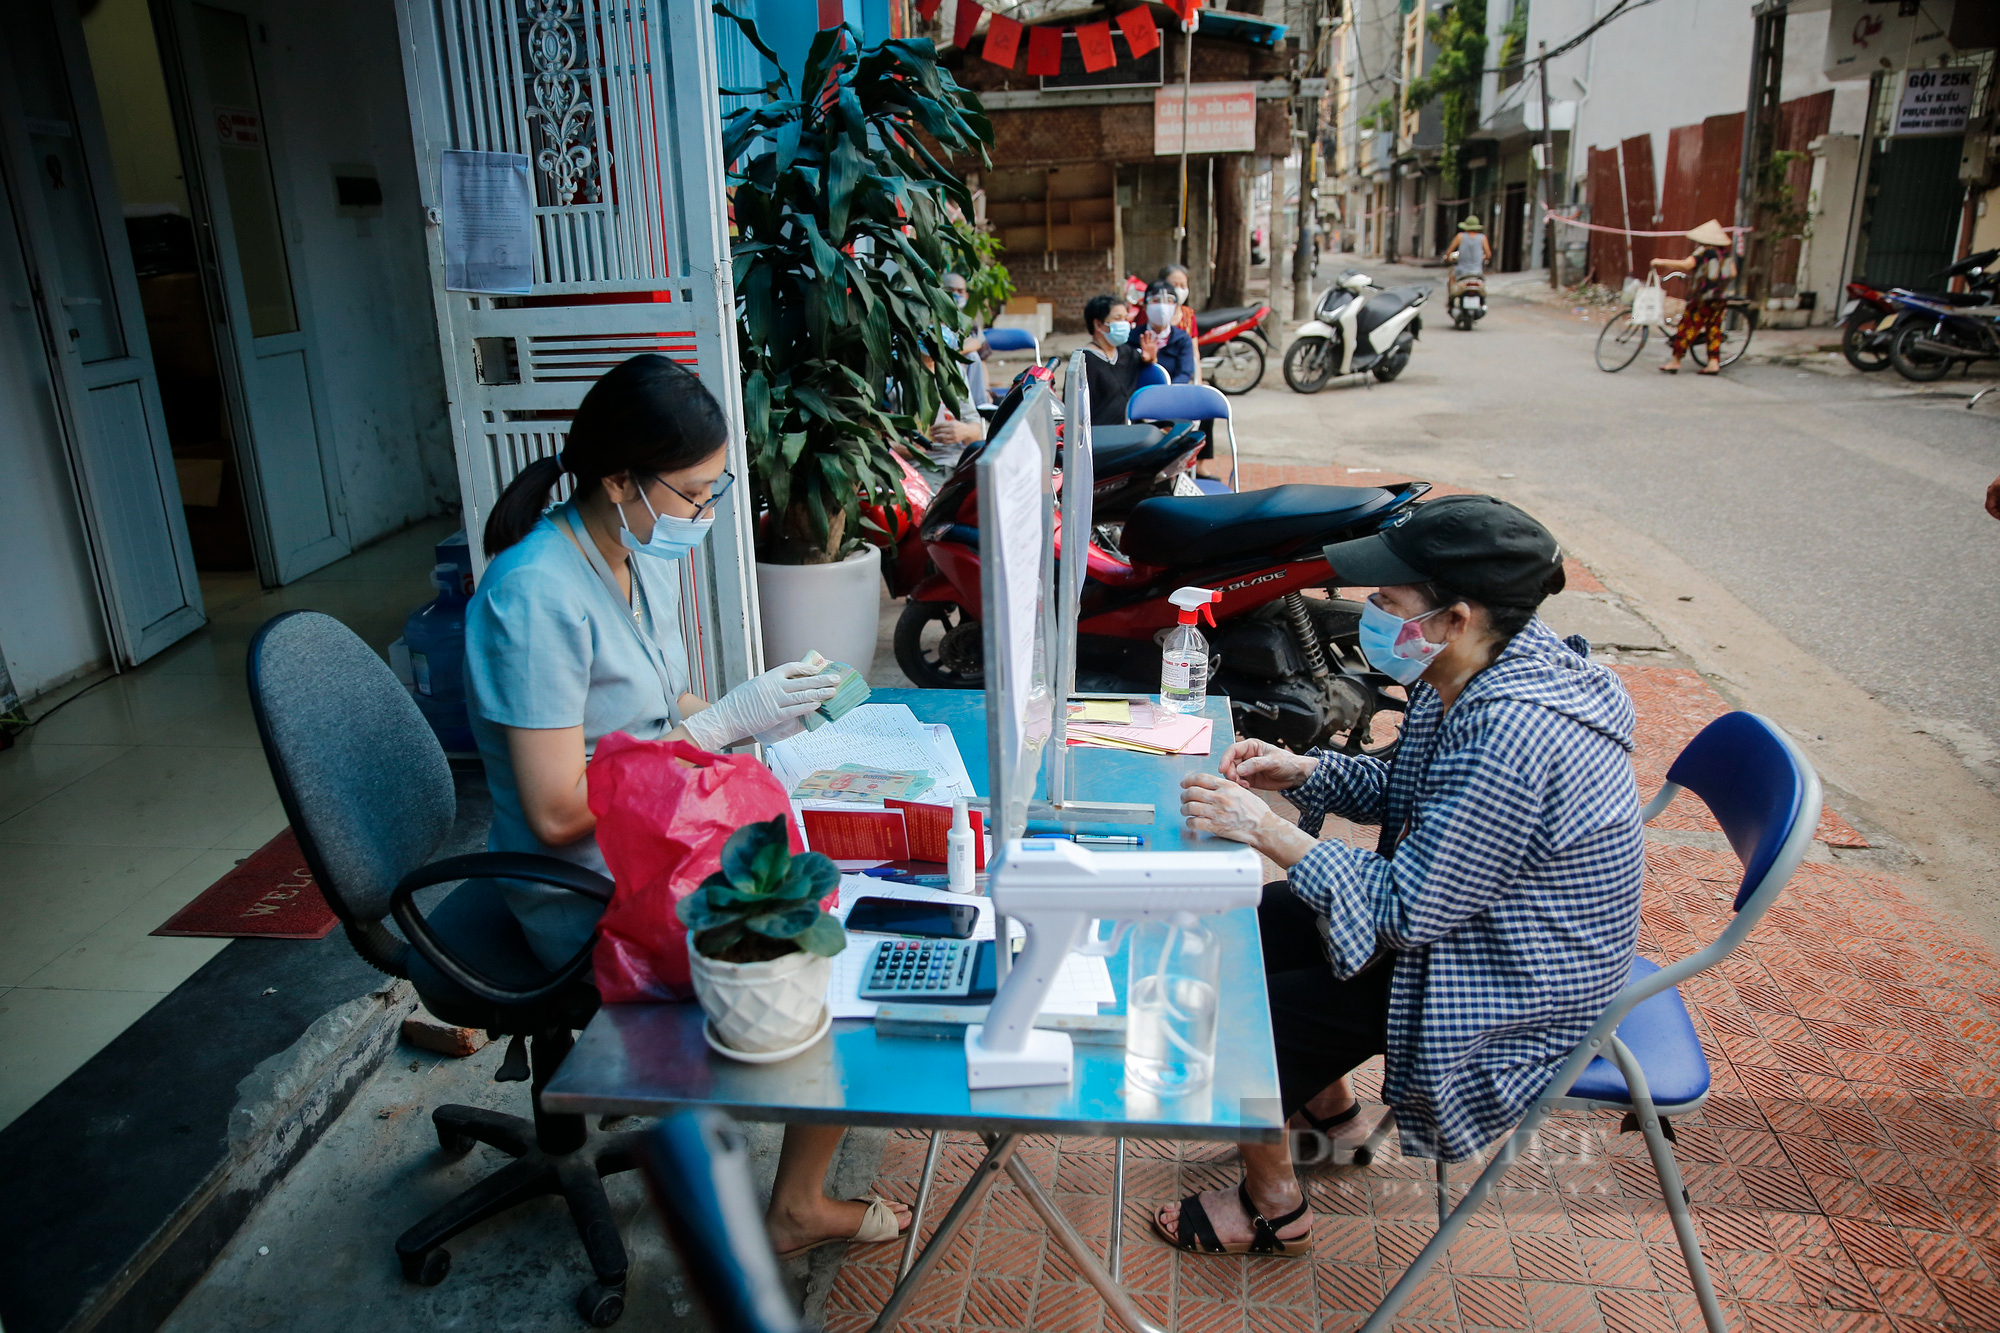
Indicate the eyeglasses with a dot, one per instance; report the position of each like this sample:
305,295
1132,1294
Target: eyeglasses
702,508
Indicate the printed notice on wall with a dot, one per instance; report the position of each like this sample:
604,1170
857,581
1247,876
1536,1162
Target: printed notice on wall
1221,118
489,222
1935,101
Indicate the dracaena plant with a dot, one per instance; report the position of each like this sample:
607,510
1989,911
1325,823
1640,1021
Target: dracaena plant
839,191
764,901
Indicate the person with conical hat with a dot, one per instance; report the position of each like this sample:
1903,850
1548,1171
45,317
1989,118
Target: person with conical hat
1710,270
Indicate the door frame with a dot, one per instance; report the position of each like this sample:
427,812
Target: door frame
130,643
214,229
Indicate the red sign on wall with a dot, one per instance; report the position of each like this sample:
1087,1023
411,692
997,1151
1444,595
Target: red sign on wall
1221,118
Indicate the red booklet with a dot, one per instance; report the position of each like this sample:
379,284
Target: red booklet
928,827
859,835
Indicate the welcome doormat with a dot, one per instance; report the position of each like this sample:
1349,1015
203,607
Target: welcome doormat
270,894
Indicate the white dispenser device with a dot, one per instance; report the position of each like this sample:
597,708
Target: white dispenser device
1057,890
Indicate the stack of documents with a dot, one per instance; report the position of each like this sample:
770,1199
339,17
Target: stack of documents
882,737
858,782
851,690
1169,733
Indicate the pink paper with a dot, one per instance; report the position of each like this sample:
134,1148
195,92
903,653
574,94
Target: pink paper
1177,734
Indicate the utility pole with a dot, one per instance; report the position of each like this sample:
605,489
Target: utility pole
1187,95
1760,132
1548,166
1302,255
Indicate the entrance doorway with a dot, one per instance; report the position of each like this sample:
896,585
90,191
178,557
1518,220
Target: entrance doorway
1513,219
160,233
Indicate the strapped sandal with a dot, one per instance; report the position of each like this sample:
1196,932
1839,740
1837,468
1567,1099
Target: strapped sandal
1338,1153
1195,1234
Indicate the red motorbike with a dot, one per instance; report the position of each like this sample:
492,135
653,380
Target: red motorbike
1233,345
1290,662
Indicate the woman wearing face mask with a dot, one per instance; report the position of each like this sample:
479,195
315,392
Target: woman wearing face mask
1176,277
1176,353
1497,914
1112,358
574,633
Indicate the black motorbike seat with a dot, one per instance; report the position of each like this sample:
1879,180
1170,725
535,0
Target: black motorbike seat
1199,529
1228,314
1116,450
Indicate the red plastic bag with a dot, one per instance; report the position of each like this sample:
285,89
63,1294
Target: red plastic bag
661,824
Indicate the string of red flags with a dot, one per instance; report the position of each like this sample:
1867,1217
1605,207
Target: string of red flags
1003,36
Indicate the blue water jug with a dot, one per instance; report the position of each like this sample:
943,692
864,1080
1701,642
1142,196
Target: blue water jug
435,637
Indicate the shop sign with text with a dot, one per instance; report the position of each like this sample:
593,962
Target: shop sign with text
1221,118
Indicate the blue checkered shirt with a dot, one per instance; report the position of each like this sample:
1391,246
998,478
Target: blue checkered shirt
1511,900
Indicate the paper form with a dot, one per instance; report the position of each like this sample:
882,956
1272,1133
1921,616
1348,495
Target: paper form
886,736
489,222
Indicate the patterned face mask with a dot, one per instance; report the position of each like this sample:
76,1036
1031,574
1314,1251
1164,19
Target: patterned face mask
1396,647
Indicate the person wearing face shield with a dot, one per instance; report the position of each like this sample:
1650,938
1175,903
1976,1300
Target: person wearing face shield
1176,277
1176,352
574,633
1112,358
1497,913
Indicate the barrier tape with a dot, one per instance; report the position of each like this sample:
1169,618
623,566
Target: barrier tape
1551,215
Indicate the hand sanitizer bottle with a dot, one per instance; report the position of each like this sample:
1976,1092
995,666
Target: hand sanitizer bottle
958,850
1184,656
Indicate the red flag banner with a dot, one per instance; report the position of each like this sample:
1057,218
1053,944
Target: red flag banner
1141,33
1184,10
1094,40
1003,40
928,8
1045,50
967,23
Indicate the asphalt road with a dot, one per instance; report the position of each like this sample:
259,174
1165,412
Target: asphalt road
1846,510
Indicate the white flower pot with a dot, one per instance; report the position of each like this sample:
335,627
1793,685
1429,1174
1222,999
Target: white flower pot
758,1007
834,608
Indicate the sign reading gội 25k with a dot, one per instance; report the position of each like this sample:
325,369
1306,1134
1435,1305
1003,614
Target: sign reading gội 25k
1935,101
1221,118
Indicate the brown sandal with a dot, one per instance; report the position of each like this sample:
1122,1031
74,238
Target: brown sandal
1195,1234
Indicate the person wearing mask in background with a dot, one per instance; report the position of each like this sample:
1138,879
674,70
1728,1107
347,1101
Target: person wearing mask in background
1112,358
1176,277
949,428
1496,916
1175,348
574,633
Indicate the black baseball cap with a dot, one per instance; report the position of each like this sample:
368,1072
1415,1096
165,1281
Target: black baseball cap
1477,545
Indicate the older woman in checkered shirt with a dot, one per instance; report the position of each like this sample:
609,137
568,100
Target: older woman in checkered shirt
1496,916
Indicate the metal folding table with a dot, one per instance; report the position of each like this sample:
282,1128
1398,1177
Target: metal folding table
650,1059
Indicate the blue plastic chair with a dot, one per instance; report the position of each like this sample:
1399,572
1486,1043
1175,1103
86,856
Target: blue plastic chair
1013,340
1149,374
1185,402
1767,798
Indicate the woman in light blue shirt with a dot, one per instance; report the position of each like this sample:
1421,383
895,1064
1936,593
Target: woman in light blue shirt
574,633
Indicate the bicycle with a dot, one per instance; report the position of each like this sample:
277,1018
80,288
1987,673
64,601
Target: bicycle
1620,341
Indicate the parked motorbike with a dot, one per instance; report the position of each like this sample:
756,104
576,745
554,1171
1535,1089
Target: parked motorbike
1233,346
1467,302
1932,333
1868,319
1291,664
1132,463
1356,327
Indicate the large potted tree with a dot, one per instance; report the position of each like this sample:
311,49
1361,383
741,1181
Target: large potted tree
841,199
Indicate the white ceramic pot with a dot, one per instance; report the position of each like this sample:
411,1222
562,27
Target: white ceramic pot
834,608
759,1007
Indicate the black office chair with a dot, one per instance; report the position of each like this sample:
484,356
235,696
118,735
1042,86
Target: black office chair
370,798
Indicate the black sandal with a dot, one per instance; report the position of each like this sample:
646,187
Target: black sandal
1195,1234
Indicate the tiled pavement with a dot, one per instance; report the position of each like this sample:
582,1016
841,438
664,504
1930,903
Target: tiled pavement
1844,1174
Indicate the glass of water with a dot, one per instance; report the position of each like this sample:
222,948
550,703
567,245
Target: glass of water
1170,1003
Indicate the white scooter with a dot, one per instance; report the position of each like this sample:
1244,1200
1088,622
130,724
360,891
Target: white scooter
1356,328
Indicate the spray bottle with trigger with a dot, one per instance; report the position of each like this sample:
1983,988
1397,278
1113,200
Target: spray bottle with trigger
1184,656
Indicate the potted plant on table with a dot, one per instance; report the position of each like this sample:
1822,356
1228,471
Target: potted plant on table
842,209
759,941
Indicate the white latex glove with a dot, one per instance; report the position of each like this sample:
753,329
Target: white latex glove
771,703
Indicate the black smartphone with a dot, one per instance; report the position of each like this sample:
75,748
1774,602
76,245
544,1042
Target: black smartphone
899,916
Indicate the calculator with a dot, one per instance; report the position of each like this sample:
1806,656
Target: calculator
928,969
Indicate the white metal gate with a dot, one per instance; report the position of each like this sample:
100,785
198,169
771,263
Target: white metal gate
616,104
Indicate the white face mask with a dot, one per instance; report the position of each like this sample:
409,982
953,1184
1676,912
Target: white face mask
1161,313
1180,292
671,537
